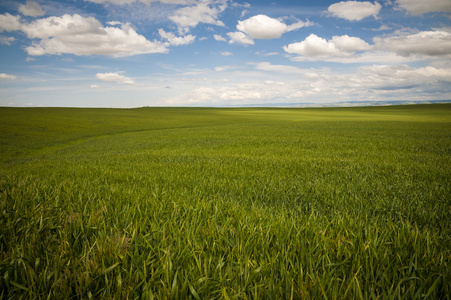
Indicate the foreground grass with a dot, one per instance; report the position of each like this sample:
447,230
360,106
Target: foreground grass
226,203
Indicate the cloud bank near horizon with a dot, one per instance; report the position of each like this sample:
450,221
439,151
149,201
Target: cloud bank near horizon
222,52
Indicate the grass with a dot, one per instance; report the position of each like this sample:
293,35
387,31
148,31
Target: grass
261,203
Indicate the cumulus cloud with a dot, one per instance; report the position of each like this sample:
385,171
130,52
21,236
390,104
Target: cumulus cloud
381,28
314,46
354,10
239,93
86,36
272,83
219,38
114,23
350,44
115,77
32,9
238,37
261,27
398,48
403,77
74,34
407,73
431,43
173,40
7,40
379,81
202,12
245,4
65,25
226,53
7,76
167,1
211,95
418,7
264,27
9,23
121,2
198,95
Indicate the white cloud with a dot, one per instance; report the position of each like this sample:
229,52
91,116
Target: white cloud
114,23
226,53
418,7
86,36
94,86
298,25
202,12
354,10
115,77
264,82
403,77
219,38
266,66
176,40
7,40
7,76
350,44
263,53
379,57
271,82
245,4
239,93
314,46
409,74
9,23
32,9
373,83
240,38
168,1
224,68
261,27
389,49
122,2
198,95
432,43
264,27
66,25
382,28
214,95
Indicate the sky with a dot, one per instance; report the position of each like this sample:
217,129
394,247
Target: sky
134,53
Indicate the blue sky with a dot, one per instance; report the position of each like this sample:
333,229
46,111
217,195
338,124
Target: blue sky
132,53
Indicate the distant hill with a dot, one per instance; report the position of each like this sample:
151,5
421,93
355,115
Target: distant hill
345,104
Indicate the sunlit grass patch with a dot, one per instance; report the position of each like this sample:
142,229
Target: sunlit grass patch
222,203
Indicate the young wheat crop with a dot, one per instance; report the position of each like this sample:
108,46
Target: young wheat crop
176,203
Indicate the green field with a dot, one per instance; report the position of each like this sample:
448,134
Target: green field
205,203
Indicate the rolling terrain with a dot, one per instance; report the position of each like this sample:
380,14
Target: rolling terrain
205,203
